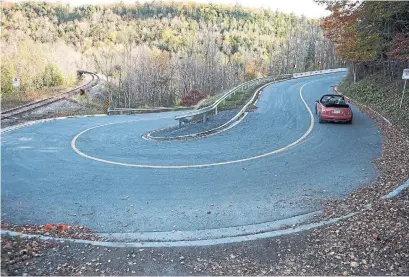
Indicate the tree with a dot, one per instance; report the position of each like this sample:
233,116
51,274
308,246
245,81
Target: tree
6,81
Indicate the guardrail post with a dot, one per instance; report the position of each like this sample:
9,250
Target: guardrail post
180,122
215,111
204,117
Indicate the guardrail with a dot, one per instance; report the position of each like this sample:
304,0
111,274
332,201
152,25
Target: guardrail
318,72
183,118
146,110
222,127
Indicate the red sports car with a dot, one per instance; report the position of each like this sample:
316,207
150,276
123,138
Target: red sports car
333,107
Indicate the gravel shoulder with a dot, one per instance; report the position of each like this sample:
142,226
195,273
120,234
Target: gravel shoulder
374,242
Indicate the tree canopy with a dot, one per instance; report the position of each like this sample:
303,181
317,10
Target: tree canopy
374,34
160,48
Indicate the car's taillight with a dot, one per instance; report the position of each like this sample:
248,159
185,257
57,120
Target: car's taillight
324,110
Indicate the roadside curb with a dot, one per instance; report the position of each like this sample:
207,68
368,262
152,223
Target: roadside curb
208,242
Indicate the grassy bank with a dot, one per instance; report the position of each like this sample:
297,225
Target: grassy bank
382,95
235,101
15,99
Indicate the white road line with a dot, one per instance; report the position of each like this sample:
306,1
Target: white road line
79,152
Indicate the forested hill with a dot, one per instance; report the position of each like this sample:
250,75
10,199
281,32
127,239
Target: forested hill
168,26
161,51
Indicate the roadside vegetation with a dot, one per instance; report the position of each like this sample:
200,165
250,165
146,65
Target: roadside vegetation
383,95
42,69
373,36
155,53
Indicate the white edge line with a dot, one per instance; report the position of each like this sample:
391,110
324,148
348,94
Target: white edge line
271,234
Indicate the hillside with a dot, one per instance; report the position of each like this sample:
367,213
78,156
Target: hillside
156,53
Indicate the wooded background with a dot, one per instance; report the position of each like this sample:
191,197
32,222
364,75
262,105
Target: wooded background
373,36
154,54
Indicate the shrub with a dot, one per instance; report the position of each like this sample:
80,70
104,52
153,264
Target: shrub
52,76
6,81
192,98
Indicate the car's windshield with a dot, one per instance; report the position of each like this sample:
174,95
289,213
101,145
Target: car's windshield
330,100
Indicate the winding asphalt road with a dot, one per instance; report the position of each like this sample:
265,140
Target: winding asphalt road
109,185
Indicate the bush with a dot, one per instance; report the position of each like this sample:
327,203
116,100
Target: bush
52,76
192,98
6,81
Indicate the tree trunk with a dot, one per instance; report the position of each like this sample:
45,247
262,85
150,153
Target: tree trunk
354,71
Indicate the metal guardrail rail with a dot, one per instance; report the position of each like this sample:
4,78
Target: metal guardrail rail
319,72
183,118
46,101
222,127
145,110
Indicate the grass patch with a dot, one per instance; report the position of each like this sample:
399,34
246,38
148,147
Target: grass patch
210,100
381,94
15,99
240,99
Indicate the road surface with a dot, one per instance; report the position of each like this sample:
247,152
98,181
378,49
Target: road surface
274,165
